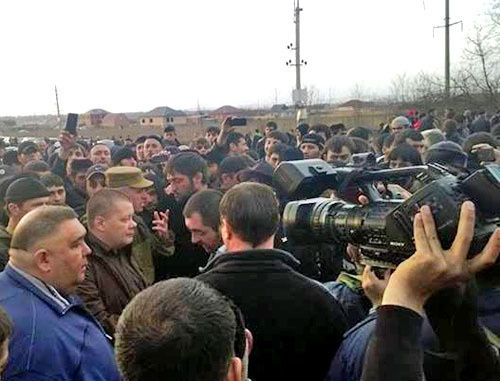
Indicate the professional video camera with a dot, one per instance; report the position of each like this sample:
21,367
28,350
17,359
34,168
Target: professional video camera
383,229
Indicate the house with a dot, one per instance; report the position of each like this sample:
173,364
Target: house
92,118
161,116
225,111
115,121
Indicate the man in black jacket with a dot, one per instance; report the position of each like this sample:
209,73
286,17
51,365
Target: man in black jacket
186,174
297,324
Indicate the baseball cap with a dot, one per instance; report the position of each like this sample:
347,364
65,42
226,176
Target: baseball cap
27,147
118,177
24,189
96,169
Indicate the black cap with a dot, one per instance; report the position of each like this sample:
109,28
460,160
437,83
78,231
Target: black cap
313,138
122,153
80,165
25,189
27,147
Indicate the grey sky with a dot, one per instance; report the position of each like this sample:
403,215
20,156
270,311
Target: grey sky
135,55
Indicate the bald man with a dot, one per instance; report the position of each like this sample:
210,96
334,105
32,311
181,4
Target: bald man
54,336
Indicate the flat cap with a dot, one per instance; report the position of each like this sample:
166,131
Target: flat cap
118,177
24,189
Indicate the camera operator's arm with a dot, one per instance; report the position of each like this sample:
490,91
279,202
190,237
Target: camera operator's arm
395,344
453,314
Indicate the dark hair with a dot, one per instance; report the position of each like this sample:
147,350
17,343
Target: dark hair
408,133
206,204
6,327
446,153
272,124
232,164
234,138
389,140
140,139
407,153
188,164
251,209
169,128
212,130
278,135
378,142
337,128
52,180
80,165
336,142
280,149
359,132
317,128
101,203
292,153
178,329
36,166
155,137
10,158
360,145
450,127
478,138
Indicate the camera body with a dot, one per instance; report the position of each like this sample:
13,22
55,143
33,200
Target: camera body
383,229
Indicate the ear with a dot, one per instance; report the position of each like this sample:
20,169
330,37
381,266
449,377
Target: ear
13,209
225,231
42,259
234,373
249,341
198,179
99,223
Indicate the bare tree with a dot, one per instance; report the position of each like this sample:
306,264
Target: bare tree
402,89
481,56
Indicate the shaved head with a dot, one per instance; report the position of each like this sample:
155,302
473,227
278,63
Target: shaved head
41,223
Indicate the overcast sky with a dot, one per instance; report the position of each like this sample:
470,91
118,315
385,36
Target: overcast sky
131,55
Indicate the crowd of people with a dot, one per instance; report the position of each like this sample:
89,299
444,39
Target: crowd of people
148,259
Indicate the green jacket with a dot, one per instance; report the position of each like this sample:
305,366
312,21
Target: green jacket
147,247
5,238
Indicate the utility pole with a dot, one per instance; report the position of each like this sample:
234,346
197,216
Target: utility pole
446,27
299,94
58,111
447,49
297,46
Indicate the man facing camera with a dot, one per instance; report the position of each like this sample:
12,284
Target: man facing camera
55,337
113,276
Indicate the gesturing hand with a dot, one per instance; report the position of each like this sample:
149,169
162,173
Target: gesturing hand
160,224
431,268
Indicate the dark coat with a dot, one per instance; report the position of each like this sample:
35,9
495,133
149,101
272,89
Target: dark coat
188,257
296,323
113,278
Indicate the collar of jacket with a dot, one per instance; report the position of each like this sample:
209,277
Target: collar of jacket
94,241
30,287
4,233
255,257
